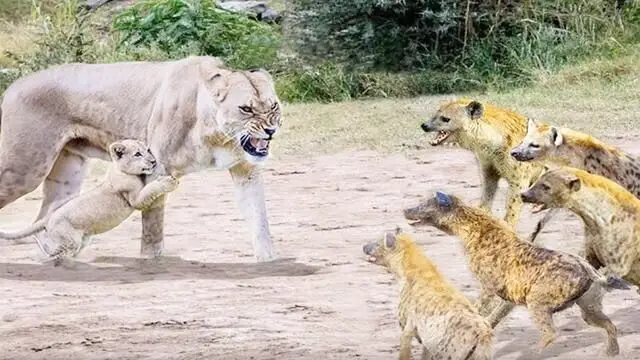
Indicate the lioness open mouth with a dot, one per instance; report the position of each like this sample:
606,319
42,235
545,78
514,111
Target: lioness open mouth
254,146
439,137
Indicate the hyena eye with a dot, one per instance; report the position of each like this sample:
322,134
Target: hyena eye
534,145
545,187
445,119
137,154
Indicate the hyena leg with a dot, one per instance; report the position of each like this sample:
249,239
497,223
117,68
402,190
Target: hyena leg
408,333
426,355
486,302
500,312
514,204
591,307
490,179
542,318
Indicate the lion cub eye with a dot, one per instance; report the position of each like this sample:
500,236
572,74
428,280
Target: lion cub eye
246,109
445,119
137,154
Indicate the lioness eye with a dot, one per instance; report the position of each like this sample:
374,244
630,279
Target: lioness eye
274,106
246,109
445,119
138,154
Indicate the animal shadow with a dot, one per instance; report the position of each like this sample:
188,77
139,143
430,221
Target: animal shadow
134,270
573,335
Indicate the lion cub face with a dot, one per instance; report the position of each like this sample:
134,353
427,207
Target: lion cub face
250,111
552,190
540,141
132,157
450,119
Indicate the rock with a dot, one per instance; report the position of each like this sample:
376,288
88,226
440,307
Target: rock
94,4
259,9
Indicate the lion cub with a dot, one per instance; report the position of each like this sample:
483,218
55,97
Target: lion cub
104,207
610,213
543,280
431,310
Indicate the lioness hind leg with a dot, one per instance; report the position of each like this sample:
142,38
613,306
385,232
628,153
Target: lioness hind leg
63,182
26,157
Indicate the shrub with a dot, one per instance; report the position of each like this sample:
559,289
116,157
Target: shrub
171,25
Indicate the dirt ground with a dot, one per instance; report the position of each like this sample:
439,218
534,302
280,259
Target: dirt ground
208,299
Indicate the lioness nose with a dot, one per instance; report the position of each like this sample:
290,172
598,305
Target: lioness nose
270,131
153,162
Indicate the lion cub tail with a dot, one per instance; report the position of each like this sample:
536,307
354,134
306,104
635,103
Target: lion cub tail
34,228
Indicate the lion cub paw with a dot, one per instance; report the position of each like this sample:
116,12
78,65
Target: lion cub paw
169,183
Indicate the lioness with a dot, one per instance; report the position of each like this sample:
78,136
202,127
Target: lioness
104,207
194,113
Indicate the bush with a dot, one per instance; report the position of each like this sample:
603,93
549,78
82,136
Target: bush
493,39
171,25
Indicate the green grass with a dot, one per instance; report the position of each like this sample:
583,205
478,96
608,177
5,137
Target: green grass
603,108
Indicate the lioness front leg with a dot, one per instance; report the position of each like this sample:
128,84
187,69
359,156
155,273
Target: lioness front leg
151,201
250,198
152,191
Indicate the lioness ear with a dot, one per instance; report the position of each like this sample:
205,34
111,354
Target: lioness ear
475,110
390,240
117,150
444,201
574,184
556,137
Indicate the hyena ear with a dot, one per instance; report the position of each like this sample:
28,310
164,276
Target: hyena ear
444,201
475,110
556,137
531,124
574,184
398,230
389,240
117,150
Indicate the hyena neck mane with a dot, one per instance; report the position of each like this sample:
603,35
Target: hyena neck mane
410,263
585,152
478,230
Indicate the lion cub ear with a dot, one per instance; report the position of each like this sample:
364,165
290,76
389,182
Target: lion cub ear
117,150
389,240
475,110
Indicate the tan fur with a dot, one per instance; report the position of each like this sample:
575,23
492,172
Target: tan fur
194,113
610,213
566,147
489,132
543,280
430,309
104,207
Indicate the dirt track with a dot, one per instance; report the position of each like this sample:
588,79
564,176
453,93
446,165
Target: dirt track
208,299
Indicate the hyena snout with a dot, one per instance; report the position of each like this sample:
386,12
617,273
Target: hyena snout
425,127
528,196
519,155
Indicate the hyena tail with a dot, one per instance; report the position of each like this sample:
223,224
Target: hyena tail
483,348
608,281
34,228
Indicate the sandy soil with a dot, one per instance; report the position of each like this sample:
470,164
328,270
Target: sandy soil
208,299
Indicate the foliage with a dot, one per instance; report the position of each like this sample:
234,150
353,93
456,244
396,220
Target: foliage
171,25
502,42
